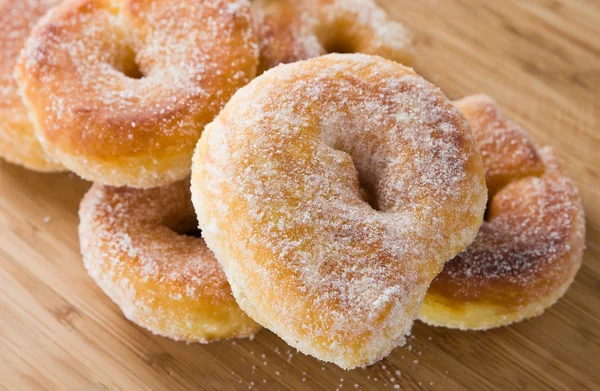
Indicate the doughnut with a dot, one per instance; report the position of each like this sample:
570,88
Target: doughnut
530,247
120,91
141,247
332,191
294,30
18,143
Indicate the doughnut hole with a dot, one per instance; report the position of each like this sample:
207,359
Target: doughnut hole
339,40
344,35
367,196
188,227
194,233
130,67
125,59
361,186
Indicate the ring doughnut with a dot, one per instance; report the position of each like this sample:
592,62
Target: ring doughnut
134,246
530,247
276,185
294,30
18,143
120,91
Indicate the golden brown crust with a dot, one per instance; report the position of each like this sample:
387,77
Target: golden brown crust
281,171
80,75
133,245
507,151
294,30
528,251
18,143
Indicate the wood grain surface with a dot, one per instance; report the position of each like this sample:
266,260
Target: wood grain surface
539,59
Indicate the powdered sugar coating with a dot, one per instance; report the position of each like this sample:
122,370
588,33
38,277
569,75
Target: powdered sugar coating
18,143
120,92
294,30
281,170
166,282
526,254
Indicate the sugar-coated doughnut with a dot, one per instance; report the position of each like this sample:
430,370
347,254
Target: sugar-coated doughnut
294,30
530,247
277,181
120,91
134,246
18,143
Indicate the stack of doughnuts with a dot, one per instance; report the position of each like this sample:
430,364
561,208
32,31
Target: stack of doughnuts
334,198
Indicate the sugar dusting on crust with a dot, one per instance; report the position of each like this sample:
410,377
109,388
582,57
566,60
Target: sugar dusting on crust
291,30
507,150
165,281
121,95
286,160
531,246
525,252
18,143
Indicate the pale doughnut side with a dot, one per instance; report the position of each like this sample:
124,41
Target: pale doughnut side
18,143
294,30
281,170
134,247
528,251
120,91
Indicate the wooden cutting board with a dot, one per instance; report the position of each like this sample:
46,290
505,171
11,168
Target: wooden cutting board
539,59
